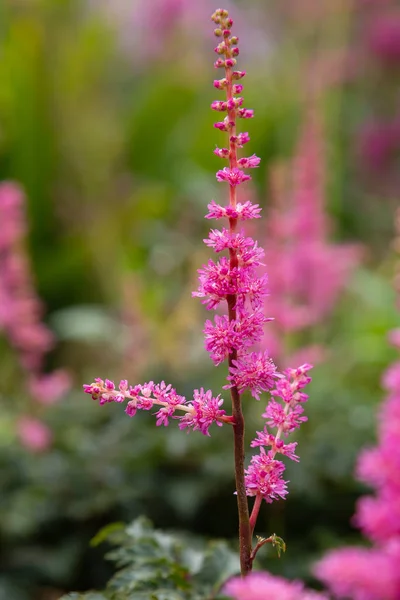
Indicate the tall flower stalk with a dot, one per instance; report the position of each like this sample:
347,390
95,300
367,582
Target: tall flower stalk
234,284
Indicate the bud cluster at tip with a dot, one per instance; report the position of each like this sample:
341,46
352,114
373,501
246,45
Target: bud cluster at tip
233,105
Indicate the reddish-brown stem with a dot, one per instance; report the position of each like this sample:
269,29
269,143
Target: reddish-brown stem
245,531
255,511
260,544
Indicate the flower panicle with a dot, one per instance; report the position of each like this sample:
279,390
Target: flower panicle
234,279
198,414
264,476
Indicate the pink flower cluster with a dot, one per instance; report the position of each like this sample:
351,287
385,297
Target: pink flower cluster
373,573
262,586
199,414
264,474
21,312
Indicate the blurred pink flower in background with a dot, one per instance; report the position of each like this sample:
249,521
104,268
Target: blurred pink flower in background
383,37
379,143
48,388
175,24
34,434
20,309
262,586
21,312
307,272
373,573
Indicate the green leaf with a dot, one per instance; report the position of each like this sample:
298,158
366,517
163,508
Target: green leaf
219,563
105,533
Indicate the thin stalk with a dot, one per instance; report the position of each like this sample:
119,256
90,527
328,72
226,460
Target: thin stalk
245,531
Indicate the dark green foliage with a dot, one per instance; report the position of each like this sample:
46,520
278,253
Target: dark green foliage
154,565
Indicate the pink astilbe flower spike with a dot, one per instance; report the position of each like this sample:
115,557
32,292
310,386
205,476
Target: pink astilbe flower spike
235,284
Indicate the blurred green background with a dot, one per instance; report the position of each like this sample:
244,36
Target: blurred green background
105,123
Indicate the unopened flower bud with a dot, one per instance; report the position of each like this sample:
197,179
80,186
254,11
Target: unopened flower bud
219,63
229,23
234,40
218,32
222,152
226,33
234,103
235,51
220,84
230,62
246,113
238,74
218,105
237,88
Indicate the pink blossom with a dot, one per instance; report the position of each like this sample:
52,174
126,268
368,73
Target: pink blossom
223,239
240,139
264,586
249,163
244,211
221,338
287,422
216,282
34,434
205,410
264,477
254,371
232,176
264,438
